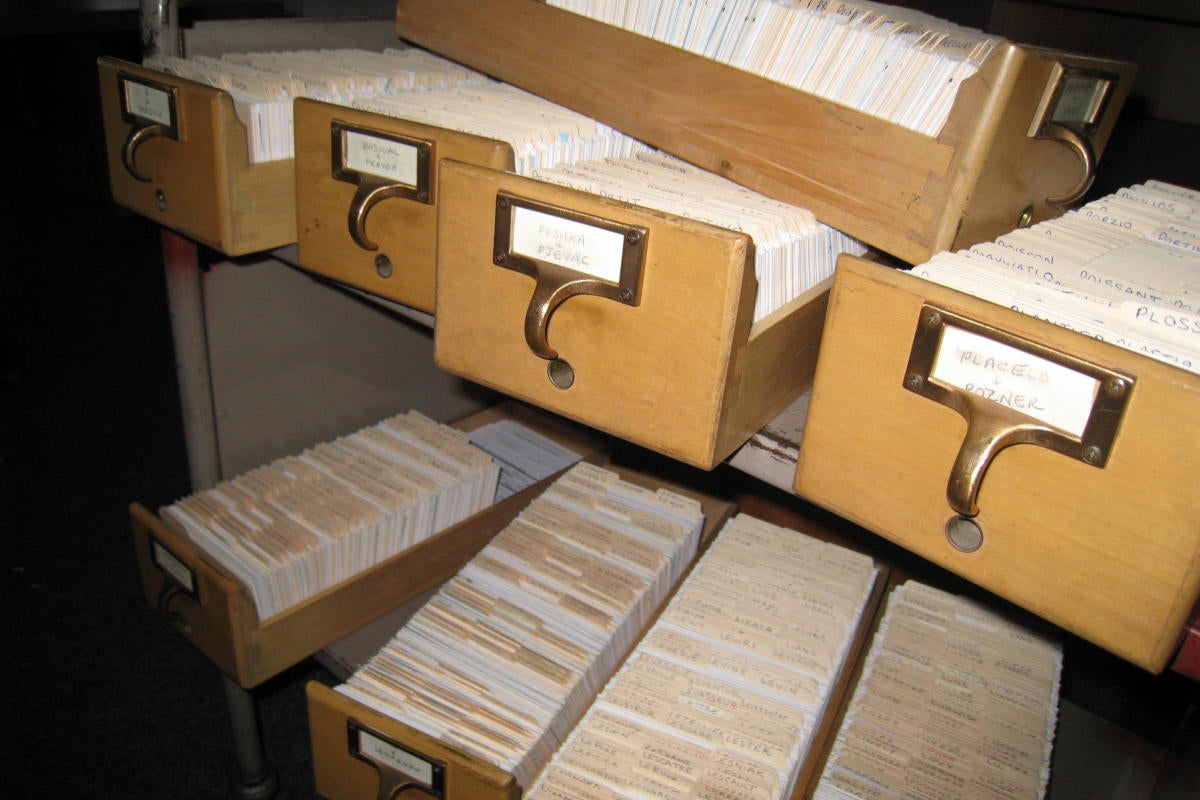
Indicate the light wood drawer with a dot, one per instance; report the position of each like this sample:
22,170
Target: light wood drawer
340,727
216,612
186,166
677,366
902,192
374,226
1100,537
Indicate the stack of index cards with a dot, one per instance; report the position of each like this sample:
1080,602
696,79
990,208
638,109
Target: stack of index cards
1123,269
893,63
541,133
302,524
793,252
263,85
508,654
955,700
722,696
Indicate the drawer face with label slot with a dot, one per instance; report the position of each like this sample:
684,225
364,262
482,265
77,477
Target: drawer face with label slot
177,154
633,321
367,196
1052,469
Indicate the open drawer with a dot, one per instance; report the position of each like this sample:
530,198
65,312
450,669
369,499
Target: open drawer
1021,141
177,154
650,340
217,613
1078,507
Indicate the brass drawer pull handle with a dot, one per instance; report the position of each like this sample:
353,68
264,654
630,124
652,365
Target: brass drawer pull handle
1071,110
1083,147
381,165
136,137
1010,391
567,253
150,108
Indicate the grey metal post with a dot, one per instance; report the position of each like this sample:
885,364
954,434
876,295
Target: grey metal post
255,778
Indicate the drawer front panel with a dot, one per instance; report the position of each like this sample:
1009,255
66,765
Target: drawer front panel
1110,553
362,228
655,373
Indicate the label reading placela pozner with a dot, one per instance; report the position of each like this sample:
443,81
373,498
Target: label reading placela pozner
381,157
1027,383
575,245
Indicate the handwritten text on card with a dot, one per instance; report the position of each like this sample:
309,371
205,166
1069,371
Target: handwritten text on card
148,102
567,243
384,158
1035,386
396,757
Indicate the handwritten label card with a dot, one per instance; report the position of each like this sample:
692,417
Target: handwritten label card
1034,386
575,245
398,758
381,157
149,102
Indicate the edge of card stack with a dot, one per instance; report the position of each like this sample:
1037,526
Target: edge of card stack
504,659
724,694
301,524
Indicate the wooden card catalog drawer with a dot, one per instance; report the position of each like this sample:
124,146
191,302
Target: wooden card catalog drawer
1076,501
367,196
216,612
177,154
359,752
642,328
1014,146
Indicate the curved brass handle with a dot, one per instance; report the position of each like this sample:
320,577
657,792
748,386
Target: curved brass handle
368,194
1083,147
987,434
549,293
138,135
392,783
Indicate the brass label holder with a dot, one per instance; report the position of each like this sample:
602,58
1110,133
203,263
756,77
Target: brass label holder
381,165
151,109
400,768
1011,390
1070,112
179,580
567,253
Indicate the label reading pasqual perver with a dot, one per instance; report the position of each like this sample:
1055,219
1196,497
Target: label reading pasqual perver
575,245
382,157
395,757
1027,383
148,102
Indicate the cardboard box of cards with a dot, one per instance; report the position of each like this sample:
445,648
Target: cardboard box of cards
267,568
890,159
469,696
1042,460
642,296
178,154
